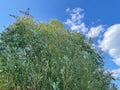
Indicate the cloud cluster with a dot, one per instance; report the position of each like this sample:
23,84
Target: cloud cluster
111,42
116,73
95,31
111,36
75,22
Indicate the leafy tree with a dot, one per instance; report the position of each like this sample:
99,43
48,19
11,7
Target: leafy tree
47,56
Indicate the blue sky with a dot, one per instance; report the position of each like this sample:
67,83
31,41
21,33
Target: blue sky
99,19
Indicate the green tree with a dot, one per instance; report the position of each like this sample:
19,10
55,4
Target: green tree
47,56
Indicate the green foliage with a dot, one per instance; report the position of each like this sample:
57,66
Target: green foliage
46,56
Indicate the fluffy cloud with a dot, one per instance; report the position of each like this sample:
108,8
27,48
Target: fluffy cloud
95,31
75,22
111,42
116,73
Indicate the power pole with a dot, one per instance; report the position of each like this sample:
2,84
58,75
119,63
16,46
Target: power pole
14,16
26,13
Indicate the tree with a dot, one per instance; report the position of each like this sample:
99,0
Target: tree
47,56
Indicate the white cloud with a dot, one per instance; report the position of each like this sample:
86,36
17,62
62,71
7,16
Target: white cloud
95,31
68,9
116,73
111,42
75,22
117,61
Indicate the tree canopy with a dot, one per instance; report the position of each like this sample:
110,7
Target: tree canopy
48,56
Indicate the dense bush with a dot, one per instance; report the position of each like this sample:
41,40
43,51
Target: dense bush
47,56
